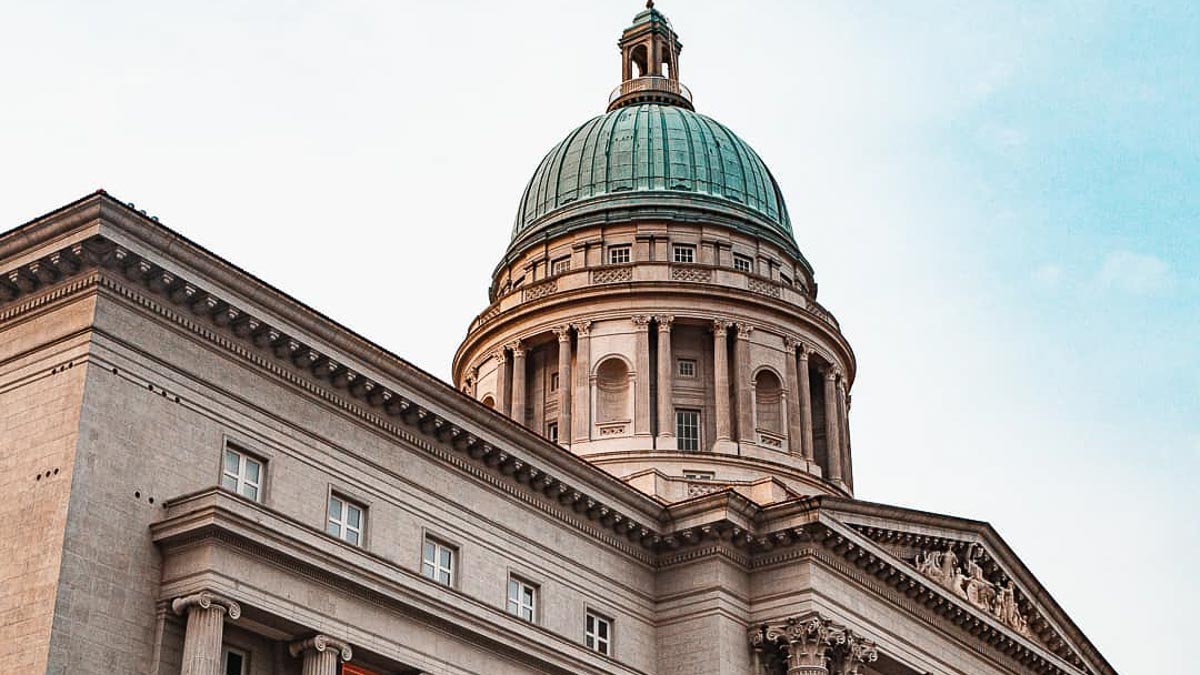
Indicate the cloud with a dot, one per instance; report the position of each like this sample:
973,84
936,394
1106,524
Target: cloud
1135,273
1049,275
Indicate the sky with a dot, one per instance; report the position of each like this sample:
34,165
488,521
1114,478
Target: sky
1001,201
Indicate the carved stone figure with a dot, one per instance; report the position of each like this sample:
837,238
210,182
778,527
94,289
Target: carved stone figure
946,568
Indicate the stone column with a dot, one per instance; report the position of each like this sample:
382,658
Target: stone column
833,443
642,403
503,404
843,428
745,386
518,382
321,654
581,398
666,384
794,431
806,417
205,629
565,383
721,378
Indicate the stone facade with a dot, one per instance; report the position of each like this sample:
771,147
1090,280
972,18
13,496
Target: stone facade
205,476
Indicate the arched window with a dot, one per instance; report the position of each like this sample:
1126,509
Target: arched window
612,395
639,58
768,402
489,401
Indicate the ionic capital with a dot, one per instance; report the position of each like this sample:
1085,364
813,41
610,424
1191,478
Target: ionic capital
207,600
664,322
582,328
321,643
563,332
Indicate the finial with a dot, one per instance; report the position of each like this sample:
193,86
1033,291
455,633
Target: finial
649,4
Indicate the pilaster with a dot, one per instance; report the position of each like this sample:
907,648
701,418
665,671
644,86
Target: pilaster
641,405
518,381
581,398
721,379
666,384
565,383
745,385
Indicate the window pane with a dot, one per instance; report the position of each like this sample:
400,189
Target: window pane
514,589
234,663
428,555
252,470
446,557
354,516
334,528
335,509
444,578
251,492
231,462
229,482
352,537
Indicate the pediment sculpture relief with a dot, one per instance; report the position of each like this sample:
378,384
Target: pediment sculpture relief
965,578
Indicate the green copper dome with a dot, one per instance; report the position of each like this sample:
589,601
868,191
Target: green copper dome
652,161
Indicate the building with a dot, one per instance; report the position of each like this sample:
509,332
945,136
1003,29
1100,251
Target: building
643,466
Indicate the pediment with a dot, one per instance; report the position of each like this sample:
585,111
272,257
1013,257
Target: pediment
974,571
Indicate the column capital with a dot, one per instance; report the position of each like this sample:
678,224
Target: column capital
790,343
721,326
582,328
641,321
744,330
518,349
664,322
207,600
500,355
563,332
321,643
858,652
831,374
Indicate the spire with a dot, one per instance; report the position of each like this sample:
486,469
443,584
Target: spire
650,63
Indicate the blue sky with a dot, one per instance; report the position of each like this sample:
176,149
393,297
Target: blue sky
1001,201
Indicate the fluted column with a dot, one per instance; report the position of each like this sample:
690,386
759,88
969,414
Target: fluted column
666,384
321,654
833,443
503,403
794,431
745,386
843,428
806,410
565,384
721,378
205,629
518,382
641,406
581,398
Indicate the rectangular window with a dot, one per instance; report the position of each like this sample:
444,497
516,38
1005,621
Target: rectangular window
561,265
687,367
522,599
345,520
518,281
553,382
687,429
619,255
597,634
235,662
437,561
684,253
242,474
692,474
552,431
787,281
742,263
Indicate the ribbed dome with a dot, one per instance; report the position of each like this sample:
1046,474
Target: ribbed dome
656,161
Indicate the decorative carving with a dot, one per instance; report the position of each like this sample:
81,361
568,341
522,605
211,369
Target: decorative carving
721,327
641,321
810,644
207,600
664,322
966,579
612,429
518,349
563,332
582,328
744,330
765,287
770,441
699,274
320,643
699,489
539,291
612,275
501,356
